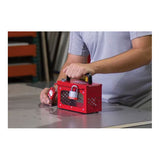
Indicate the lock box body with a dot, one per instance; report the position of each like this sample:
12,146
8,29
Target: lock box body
89,98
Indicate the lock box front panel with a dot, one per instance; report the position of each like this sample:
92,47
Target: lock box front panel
74,105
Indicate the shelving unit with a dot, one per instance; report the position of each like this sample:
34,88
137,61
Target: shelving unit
23,51
19,70
22,34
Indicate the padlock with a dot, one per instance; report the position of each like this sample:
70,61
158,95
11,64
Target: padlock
52,93
73,94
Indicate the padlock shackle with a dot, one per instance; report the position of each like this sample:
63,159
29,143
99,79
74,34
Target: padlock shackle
74,86
88,75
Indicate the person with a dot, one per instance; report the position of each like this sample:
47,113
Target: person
120,61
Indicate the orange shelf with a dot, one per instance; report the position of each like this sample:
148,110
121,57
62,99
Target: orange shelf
22,70
21,34
21,51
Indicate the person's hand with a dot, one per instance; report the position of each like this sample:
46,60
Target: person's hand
44,97
77,70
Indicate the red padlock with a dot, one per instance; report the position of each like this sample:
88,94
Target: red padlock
52,93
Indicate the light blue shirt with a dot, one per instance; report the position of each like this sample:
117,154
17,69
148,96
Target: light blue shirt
126,88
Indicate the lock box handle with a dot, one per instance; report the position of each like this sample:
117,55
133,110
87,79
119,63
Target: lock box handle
89,76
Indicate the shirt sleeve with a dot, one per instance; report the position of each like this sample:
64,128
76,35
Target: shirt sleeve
76,45
134,35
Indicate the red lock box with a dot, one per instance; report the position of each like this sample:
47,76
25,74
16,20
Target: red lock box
80,96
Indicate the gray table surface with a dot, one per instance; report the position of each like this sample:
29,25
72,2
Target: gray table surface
24,111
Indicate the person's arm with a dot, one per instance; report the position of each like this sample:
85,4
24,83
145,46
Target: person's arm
138,56
70,59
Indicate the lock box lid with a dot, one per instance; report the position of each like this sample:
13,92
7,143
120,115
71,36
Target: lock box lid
81,84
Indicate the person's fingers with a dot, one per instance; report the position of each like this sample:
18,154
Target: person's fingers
65,69
45,90
44,97
71,70
75,70
46,100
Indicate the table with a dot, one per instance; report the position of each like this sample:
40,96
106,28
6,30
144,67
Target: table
25,111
